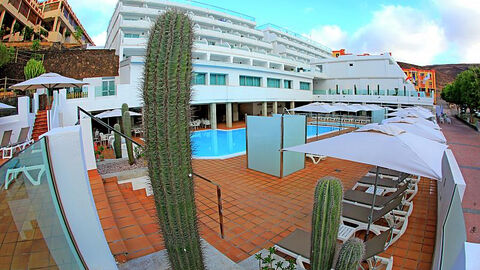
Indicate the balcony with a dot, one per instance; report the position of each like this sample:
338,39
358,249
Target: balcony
383,97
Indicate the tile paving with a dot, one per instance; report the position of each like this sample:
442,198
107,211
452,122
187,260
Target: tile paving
259,209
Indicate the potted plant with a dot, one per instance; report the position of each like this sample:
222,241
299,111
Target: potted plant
98,149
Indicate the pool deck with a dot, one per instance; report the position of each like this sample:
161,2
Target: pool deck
259,210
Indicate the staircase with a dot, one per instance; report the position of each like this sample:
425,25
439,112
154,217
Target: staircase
128,218
40,126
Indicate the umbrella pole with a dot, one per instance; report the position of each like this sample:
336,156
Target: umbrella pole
317,125
373,204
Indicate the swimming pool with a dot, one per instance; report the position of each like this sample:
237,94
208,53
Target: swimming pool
229,143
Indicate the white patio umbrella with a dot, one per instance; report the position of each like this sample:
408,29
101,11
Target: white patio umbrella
315,108
418,120
418,129
383,146
4,106
49,81
115,113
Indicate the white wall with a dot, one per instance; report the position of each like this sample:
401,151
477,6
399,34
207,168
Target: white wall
70,171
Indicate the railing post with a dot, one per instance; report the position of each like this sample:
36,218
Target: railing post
220,210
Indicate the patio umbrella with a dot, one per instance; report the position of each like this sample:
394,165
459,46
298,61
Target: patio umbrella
49,81
418,120
115,113
4,106
315,108
383,146
416,128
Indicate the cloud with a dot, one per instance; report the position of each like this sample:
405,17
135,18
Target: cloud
100,39
93,14
330,35
404,31
460,19
308,10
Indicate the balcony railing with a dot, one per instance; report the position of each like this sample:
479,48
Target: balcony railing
74,95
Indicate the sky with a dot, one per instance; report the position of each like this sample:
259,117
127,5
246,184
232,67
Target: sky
416,31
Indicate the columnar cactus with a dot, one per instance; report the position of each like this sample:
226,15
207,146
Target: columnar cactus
166,95
117,143
127,130
327,209
351,255
123,109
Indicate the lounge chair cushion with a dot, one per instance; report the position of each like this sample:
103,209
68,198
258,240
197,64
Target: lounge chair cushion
361,214
377,244
367,198
370,180
298,242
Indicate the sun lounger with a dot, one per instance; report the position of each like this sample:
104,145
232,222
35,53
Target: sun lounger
367,198
23,140
298,245
397,219
7,150
384,172
390,185
315,158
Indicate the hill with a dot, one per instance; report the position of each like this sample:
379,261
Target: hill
445,73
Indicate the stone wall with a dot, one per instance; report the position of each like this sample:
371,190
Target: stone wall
74,63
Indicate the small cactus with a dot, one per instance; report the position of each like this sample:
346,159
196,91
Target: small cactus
127,130
117,144
351,255
327,209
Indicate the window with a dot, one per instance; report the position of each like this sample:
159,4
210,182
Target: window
198,78
351,64
218,79
273,83
304,86
336,89
287,84
130,35
320,68
250,81
108,87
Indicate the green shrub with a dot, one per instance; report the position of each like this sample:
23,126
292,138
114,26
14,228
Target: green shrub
34,68
6,54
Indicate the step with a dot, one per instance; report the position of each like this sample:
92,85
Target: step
109,225
148,224
133,236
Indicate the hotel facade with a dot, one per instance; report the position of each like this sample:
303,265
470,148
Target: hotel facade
241,68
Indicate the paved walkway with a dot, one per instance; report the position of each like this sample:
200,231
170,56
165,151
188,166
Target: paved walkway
465,144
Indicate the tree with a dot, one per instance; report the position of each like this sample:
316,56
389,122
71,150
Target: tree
78,34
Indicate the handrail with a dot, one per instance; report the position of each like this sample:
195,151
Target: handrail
219,190
110,128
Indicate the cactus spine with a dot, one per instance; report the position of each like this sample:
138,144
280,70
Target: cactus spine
327,208
117,144
166,96
351,255
127,129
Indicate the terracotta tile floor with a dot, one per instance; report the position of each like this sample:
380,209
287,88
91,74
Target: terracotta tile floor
259,209
465,145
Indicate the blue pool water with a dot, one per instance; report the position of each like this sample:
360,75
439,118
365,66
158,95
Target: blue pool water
225,143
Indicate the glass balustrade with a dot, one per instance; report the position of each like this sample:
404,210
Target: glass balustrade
33,230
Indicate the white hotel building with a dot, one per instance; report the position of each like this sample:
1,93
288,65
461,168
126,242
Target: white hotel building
241,68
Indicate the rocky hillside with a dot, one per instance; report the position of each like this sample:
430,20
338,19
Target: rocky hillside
445,73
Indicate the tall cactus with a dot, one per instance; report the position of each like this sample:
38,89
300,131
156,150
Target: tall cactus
123,109
351,255
127,130
327,209
117,143
166,96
